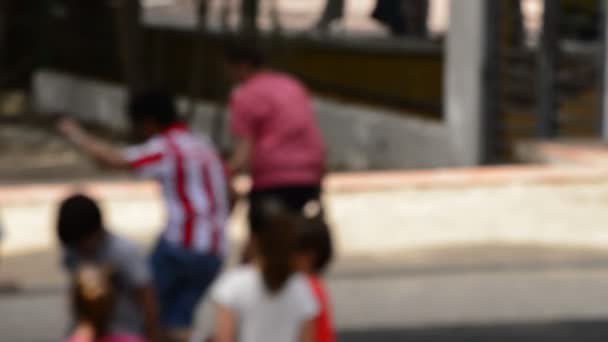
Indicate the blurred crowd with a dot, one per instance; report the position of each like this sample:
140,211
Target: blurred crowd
276,293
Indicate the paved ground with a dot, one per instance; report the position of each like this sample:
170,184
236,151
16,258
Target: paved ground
509,273
549,332
385,222
440,295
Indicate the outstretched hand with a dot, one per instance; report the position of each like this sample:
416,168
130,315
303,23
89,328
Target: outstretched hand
93,147
70,128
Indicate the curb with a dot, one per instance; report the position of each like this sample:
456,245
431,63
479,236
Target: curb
336,183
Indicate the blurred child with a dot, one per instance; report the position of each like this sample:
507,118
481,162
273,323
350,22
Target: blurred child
267,300
93,302
190,251
314,253
85,240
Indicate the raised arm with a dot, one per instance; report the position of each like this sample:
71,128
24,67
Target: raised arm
239,162
101,151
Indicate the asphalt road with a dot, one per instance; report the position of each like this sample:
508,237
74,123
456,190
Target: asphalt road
589,331
33,317
494,299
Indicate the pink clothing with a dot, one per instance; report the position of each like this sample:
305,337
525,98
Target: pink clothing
275,111
111,338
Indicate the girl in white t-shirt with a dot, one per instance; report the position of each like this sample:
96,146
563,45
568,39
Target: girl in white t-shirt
266,301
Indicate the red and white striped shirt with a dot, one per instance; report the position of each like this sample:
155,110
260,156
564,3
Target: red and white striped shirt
194,187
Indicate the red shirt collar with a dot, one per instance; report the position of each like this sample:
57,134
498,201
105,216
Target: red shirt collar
178,126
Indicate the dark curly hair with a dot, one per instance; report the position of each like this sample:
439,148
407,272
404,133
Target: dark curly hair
154,104
79,218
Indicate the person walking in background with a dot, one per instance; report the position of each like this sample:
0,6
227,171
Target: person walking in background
250,13
406,18
334,10
249,16
416,14
85,240
390,14
266,300
278,139
189,253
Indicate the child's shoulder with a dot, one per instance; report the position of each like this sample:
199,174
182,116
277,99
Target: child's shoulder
241,277
121,243
241,273
122,249
301,280
234,284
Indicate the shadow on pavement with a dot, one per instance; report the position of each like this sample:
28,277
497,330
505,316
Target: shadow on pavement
40,291
397,271
589,331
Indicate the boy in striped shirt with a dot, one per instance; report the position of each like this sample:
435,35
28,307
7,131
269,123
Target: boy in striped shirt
189,253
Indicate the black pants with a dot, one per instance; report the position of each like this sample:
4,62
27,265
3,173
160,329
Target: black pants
292,198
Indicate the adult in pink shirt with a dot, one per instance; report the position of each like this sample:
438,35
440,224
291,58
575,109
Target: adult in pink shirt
278,138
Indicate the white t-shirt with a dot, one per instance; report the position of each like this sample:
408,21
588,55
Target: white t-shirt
263,316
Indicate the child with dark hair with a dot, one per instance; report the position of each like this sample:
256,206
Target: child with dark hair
267,300
190,251
314,252
85,240
93,302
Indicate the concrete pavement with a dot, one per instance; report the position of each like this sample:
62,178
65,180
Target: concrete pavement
385,222
441,295
503,254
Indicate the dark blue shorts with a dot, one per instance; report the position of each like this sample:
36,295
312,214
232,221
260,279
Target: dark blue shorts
181,279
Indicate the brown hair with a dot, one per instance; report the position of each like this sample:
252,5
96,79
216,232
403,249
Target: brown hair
314,236
276,244
93,296
78,219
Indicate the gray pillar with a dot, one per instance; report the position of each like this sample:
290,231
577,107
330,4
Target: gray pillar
463,87
604,61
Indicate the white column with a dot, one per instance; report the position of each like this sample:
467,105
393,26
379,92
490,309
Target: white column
463,88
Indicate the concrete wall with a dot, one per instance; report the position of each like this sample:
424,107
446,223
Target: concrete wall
359,138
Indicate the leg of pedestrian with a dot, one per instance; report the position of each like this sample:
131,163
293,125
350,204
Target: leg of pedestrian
334,10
